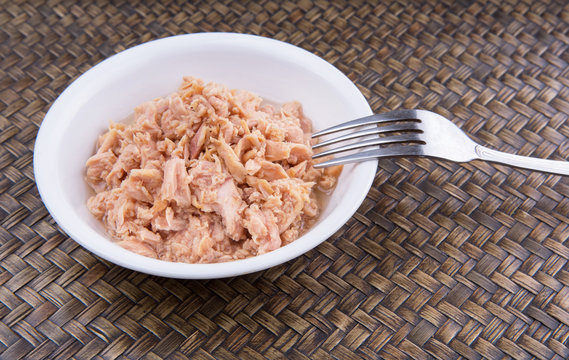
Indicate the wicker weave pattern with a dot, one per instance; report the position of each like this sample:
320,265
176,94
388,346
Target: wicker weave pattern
441,261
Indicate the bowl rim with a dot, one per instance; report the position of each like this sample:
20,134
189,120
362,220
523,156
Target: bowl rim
185,270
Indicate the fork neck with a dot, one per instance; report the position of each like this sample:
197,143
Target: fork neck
524,162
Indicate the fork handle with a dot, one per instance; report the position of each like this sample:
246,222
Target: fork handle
525,162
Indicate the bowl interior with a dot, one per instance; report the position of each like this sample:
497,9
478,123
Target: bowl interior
109,92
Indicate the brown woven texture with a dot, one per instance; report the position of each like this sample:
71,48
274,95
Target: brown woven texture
442,260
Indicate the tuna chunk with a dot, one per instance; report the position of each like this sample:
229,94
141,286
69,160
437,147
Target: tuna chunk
265,169
232,162
263,229
198,141
98,168
168,221
292,152
176,183
230,206
216,191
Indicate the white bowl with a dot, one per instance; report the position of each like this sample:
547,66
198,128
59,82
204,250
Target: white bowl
275,70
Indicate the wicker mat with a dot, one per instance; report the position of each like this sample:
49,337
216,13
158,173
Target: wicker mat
441,261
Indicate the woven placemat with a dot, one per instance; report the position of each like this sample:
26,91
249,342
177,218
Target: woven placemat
441,261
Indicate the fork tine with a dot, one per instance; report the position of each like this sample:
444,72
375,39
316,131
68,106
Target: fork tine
393,151
368,120
377,141
409,126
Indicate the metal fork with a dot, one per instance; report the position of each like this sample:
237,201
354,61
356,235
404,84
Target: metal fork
420,133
